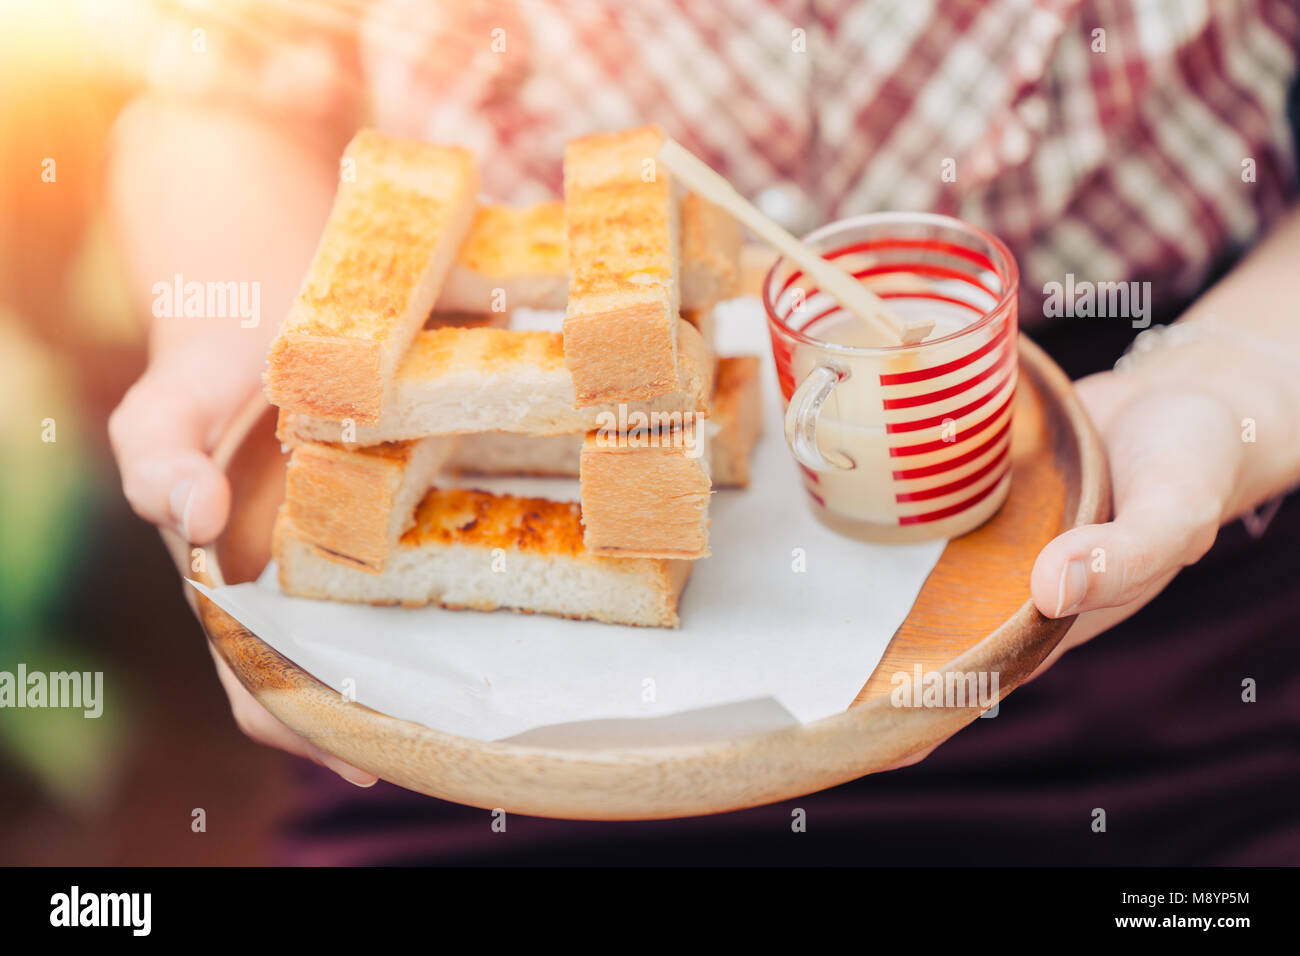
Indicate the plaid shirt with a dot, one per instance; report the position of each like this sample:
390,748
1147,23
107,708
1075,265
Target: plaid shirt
1111,139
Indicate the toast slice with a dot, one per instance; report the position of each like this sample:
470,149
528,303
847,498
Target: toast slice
457,380
738,417
473,550
356,504
513,258
622,224
711,241
645,493
518,258
391,236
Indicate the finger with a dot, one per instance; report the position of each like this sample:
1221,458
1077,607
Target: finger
1172,466
158,438
1110,565
260,725
910,758
1088,625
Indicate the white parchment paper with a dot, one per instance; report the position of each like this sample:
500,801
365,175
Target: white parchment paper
761,643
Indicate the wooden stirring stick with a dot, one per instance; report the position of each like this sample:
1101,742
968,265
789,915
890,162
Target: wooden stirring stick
850,293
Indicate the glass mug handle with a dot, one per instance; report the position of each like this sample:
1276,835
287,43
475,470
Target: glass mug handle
801,419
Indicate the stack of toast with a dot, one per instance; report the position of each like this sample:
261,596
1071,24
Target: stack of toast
394,370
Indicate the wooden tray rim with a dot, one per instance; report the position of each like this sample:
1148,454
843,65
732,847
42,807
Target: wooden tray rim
611,782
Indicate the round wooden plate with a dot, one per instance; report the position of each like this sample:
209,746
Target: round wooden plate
973,614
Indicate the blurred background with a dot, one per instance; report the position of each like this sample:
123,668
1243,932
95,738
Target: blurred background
84,584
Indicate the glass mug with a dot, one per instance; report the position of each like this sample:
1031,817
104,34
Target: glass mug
900,443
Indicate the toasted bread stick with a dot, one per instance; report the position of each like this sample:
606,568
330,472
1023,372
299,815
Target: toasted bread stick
736,416
513,258
398,220
645,493
355,504
622,222
473,550
457,380
518,258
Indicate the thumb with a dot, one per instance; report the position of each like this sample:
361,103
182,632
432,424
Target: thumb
159,434
1172,460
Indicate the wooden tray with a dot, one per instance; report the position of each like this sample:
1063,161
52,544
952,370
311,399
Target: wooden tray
973,614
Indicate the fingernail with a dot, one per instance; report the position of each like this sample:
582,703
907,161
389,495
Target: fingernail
353,775
181,500
1072,587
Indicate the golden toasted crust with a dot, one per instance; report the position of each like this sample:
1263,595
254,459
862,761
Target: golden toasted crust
646,495
373,256
618,156
469,526
526,241
620,239
463,516
296,367
396,224
737,411
624,247
523,253
343,501
482,520
438,351
353,503
621,355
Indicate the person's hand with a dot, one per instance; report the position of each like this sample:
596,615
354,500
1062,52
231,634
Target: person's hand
1174,454
259,724
161,434
171,170
1180,428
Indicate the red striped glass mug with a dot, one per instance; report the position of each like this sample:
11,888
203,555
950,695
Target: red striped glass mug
901,443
